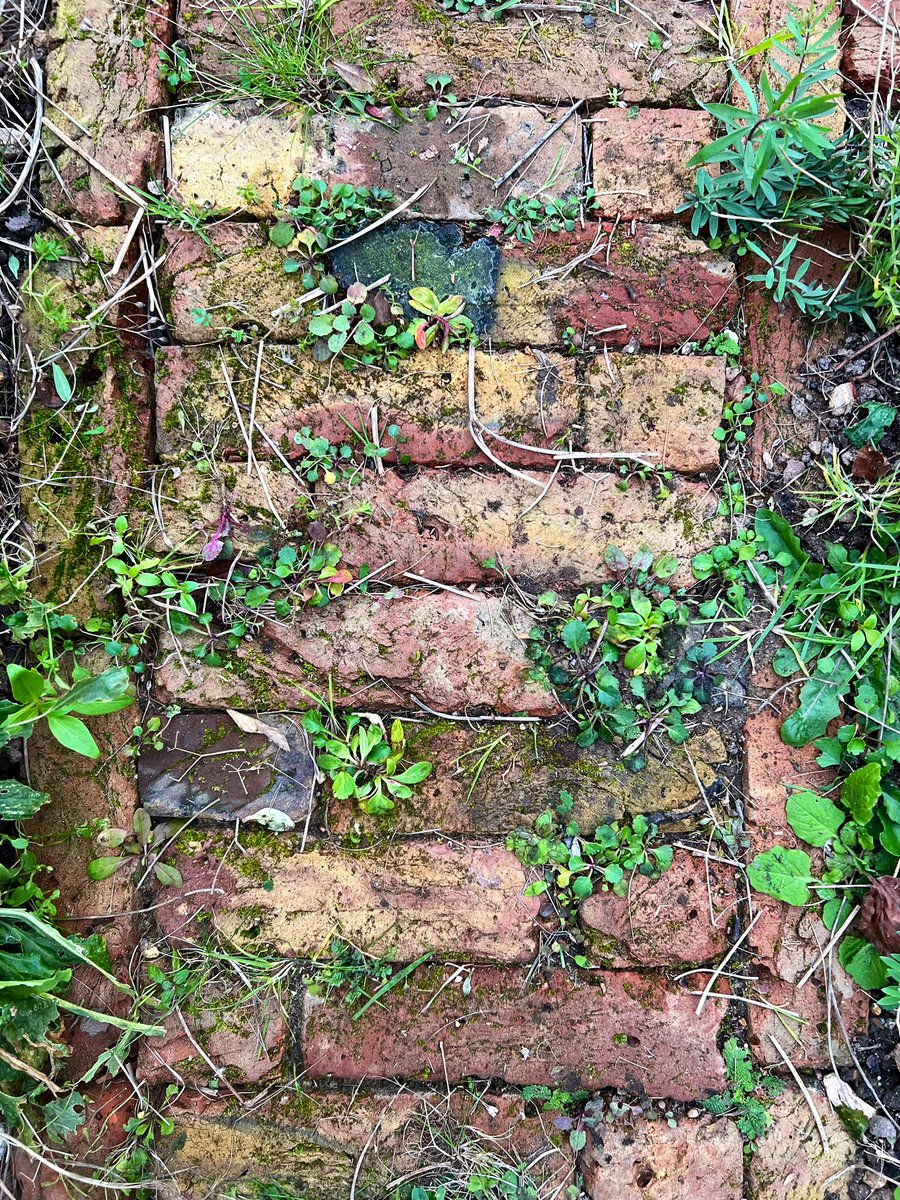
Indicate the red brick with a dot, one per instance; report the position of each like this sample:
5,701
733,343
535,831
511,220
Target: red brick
653,288
872,44
447,525
634,1032
663,286
244,1036
451,653
665,407
566,59
109,88
665,920
806,1040
651,1161
407,899
640,158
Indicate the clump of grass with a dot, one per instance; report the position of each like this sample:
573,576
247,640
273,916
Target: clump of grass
289,53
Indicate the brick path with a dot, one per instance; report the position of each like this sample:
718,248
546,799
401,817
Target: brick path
443,884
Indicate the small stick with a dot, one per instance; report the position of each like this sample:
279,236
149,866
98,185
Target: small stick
381,220
444,586
808,973
492,719
532,150
129,238
803,1088
724,963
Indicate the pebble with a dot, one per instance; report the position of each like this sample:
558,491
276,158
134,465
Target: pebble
881,1127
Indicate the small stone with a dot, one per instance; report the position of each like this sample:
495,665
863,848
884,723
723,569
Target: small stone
881,1127
842,399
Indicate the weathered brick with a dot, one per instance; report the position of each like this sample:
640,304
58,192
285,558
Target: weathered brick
218,149
447,651
635,1032
243,1035
445,525
872,44
790,1162
500,778
683,916
805,1037
407,899
648,1160
562,58
187,778
521,397
664,407
654,288
106,88
640,158
787,940
312,1141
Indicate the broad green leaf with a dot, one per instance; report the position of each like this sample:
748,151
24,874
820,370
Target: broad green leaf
27,686
18,801
782,873
415,773
343,785
62,1117
813,818
862,963
102,868
780,540
861,791
168,875
820,699
873,426
282,234
73,734
575,635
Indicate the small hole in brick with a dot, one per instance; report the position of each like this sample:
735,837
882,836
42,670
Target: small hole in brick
643,1175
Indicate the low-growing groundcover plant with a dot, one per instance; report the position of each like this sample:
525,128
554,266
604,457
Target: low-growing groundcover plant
750,1093
782,173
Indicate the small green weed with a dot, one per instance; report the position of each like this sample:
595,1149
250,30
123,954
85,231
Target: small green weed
523,216
175,66
363,760
574,866
749,1093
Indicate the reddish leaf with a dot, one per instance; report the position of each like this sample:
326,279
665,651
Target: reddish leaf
869,464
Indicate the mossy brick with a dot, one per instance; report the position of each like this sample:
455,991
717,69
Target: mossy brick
415,253
244,1035
638,1033
240,156
639,158
456,526
400,901
533,400
664,407
450,652
499,777
652,287
311,1141
102,77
